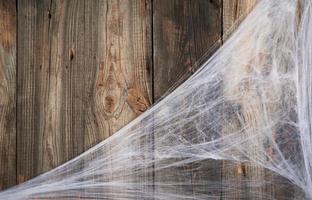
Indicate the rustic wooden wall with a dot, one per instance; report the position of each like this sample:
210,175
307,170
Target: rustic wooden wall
86,68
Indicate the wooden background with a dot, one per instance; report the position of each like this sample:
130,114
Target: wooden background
72,72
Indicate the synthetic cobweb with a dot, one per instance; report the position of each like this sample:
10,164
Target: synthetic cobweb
251,102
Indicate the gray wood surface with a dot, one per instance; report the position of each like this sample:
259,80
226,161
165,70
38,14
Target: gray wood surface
7,93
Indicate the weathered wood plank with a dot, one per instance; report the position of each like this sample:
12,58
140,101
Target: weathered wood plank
122,87
183,31
7,93
49,110
83,74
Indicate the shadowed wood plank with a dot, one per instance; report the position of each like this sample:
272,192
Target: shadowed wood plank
7,93
183,32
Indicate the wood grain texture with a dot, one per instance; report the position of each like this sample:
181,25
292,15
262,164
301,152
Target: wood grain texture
82,75
122,87
7,93
183,31
49,125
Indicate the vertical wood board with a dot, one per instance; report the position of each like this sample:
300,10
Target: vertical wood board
7,93
183,32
